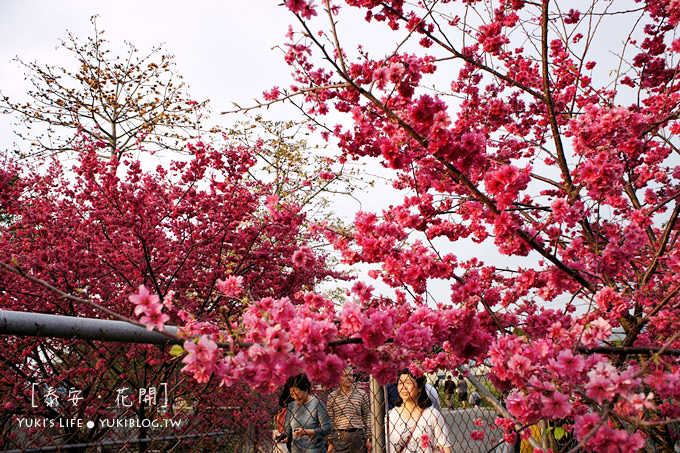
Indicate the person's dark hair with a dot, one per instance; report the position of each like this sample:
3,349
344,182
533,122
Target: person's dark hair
423,399
285,397
301,381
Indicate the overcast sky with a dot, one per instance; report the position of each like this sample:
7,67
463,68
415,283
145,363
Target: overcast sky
222,48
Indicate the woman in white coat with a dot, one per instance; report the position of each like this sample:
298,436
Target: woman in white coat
414,425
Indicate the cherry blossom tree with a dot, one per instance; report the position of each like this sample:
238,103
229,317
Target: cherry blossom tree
198,234
195,238
503,128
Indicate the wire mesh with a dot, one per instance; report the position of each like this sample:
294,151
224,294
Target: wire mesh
83,396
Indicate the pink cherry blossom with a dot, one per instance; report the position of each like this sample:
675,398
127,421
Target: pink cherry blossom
231,286
352,319
600,388
567,364
151,309
595,332
556,405
144,300
303,258
477,434
201,358
155,318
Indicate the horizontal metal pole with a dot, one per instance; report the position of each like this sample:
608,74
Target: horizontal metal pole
26,324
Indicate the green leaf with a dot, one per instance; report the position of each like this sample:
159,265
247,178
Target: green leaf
559,433
176,350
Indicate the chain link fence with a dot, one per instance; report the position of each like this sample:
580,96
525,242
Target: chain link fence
86,396
91,396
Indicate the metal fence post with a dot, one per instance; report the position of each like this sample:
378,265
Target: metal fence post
378,414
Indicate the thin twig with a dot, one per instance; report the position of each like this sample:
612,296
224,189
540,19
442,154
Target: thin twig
17,270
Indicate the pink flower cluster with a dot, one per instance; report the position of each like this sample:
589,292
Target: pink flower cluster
597,435
505,183
275,338
231,286
149,306
304,8
304,258
561,383
201,358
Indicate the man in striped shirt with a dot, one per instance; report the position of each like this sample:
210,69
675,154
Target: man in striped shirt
350,415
